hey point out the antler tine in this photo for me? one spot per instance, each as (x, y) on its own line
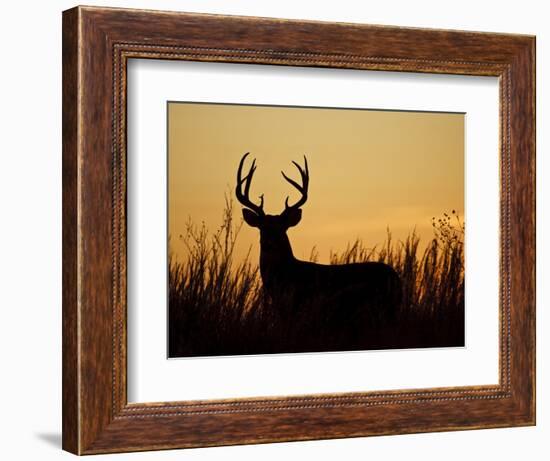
(248, 178)
(244, 198)
(303, 189)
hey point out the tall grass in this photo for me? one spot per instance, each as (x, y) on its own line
(217, 307)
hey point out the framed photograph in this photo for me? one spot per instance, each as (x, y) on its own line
(282, 230)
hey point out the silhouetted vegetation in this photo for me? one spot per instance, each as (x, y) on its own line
(217, 307)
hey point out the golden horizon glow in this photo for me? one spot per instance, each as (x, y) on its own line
(370, 171)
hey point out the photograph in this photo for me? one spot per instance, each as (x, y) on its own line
(300, 229)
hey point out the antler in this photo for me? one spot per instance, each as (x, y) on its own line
(304, 173)
(244, 198)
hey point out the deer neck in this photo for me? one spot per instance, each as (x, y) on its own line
(274, 261)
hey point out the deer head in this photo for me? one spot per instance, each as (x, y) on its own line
(272, 227)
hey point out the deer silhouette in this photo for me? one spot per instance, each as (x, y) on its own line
(351, 295)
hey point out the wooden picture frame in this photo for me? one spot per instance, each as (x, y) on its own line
(97, 43)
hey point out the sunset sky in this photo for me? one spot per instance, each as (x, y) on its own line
(369, 170)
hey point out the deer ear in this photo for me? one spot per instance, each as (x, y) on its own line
(293, 216)
(251, 218)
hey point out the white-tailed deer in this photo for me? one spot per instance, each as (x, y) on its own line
(353, 294)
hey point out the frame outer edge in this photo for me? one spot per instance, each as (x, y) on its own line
(70, 177)
(522, 208)
(533, 55)
(94, 238)
(533, 179)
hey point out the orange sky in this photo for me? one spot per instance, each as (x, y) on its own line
(369, 170)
